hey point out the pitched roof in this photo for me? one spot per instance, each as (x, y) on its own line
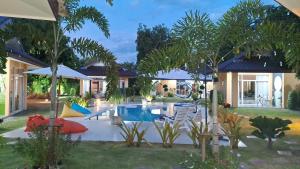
(16, 51)
(101, 71)
(265, 63)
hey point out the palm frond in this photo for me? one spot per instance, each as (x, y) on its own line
(77, 18)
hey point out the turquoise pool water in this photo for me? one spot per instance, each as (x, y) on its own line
(137, 113)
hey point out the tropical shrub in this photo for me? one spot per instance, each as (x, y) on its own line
(293, 100)
(170, 94)
(199, 134)
(36, 148)
(165, 88)
(195, 96)
(168, 134)
(130, 92)
(38, 84)
(231, 126)
(78, 100)
(73, 91)
(88, 95)
(227, 161)
(116, 97)
(130, 133)
(269, 128)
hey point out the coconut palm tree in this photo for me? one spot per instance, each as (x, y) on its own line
(196, 37)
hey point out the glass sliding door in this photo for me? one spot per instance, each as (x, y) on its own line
(249, 92)
(253, 89)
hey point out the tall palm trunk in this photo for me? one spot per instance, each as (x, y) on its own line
(54, 100)
(215, 146)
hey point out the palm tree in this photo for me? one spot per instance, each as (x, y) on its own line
(196, 37)
(74, 21)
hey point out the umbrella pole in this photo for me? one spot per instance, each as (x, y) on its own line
(58, 94)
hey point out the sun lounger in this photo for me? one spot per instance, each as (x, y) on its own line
(97, 114)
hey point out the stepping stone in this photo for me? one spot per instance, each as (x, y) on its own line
(281, 160)
(243, 166)
(296, 153)
(251, 137)
(257, 162)
(284, 153)
(291, 142)
(295, 148)
(11, 143)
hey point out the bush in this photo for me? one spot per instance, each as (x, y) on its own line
(231, 125)
(269, 128)
(73, 91)
(195, 96)
(36, 148)
(116, 97)
(170, 94)
(78, 100)
(293, 100)
(220, 97)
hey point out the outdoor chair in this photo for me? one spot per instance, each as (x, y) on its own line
(180, 117)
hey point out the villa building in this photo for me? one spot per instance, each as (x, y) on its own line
(97, 71)
(178, 82)
(256, 82)
(13, 84)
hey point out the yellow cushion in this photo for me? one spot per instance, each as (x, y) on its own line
(68, 112)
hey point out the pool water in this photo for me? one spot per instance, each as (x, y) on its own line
(137, 113)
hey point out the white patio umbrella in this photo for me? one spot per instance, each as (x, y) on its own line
(292, 5)
(32, 9)
(62, 72)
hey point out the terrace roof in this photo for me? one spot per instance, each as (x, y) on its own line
(102, 71)
(264, 64)
(292, 5)
(33, 9)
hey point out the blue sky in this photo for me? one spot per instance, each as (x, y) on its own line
(126, 15)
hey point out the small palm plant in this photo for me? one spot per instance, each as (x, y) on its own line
(163, 134)
(173, 133)
(269, 128)
(140, 135)
(199, 134)
(128, 133)
(168, 134)
(231, 126)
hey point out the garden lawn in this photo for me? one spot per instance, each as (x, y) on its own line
(110, 156)
(257, 156)
(19, 120)
(248, 113)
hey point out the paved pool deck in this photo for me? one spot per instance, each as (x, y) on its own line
(103, 130)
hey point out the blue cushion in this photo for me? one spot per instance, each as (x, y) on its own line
(80, 109)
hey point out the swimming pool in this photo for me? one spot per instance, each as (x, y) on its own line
(138, 113)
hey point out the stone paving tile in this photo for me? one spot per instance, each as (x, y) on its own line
(284, 153)
(291, 142)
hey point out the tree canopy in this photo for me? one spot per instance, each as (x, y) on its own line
(149, 39)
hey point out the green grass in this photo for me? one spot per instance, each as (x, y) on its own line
(257, 156)
(2, 108)
(269, 112)
(19, 120)
(110, 156)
